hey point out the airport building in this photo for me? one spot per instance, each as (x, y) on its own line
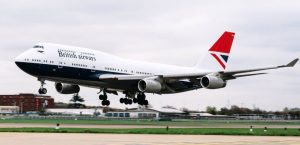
(141, 113)
(27, 102)
(9, 110)
(134, 113)
(72, 111)
(166, 112)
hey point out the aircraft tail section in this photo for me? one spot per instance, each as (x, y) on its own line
(218, 53)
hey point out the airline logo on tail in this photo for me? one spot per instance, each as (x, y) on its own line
(221, 49)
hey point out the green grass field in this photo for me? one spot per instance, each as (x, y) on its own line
(195, 127)
(182, 131)
(155, 123)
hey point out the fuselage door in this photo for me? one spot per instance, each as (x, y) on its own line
(60, 64)
(93, 69)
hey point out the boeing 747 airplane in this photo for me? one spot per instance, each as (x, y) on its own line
(70, 67)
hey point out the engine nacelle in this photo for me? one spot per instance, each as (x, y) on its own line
(67, 88)
(149, 85)
(212, 82)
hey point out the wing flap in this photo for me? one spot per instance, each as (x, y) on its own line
(122, 77)
(186, 76)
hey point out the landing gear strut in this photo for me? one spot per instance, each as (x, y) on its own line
(103, 97)
(42, 90)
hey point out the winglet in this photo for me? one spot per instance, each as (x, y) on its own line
(292, 63)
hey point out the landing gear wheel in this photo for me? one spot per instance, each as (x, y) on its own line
(42, 91)
(129, 101)
(130, 97)
(126, 101)
(145, 102)
(140, 102)
(141, 96)
(102, 97)
(141, 99)
(122, 100)
(105, 103)
(135, 100)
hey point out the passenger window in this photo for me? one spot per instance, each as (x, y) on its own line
(38, 46)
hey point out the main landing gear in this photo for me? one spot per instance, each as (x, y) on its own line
(103, 97)
(126, 101)
(42, 90)
(141, 99)
(130, 98)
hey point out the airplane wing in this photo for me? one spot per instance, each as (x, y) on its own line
(225, 75)
(231, 73)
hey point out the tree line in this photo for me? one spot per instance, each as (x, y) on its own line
(292, 113)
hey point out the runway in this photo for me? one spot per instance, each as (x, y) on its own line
(133, 139)
(47, 125)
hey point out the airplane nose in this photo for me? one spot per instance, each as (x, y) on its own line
(21, 62)
(18, 58)
(18, 61)
(21, 57)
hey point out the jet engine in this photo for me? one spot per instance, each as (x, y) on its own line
(150, 85)
(66, 88)
(212, 82)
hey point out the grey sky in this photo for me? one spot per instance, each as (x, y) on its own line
(171, 32)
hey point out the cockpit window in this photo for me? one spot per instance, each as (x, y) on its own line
(38, 46)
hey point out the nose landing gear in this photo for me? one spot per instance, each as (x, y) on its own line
(42, 90)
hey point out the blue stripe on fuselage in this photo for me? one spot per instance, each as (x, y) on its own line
(47, 70)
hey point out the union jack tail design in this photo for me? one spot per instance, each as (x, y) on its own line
(221, 49)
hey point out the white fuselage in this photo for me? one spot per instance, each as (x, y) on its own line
(61, 57)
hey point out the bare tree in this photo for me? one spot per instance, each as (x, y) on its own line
(77, 101)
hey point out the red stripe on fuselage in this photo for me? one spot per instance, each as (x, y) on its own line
(219, 60)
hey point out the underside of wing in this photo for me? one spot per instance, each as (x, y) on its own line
(169, 85)
(227, 75)
(183, 82)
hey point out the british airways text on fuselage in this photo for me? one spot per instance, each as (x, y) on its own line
(72, 54)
